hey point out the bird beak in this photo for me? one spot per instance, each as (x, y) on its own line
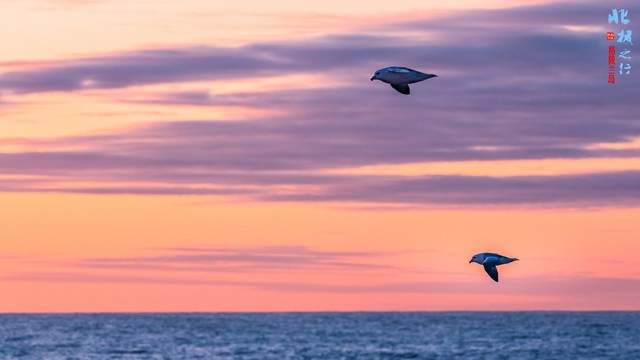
(373, 77)
(431, 76)
(470, 261)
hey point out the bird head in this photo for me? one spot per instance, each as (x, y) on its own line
(476, 259)
(375, 75)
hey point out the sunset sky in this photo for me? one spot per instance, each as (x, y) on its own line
(203, 155)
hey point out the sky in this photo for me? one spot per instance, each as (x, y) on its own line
(234, 156)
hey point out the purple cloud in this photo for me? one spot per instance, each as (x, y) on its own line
(620, 188)
(225, 260)
(593, 288)
(506, 92)
(499, 42)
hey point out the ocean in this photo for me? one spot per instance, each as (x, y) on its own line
(326, 336)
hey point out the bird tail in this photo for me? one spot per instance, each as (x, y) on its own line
(514, 259)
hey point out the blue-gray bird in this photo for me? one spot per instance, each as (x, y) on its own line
(400, 77)
(490, 261)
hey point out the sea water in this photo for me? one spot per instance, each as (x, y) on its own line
(326, 336)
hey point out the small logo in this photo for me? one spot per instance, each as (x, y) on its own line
(612, 55)
(619, 16)
(623, 37)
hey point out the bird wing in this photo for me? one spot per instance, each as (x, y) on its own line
(492, 270)
(399, 70)
(403, 89)
(491, 259)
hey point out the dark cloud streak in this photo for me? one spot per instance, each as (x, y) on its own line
(539, 286)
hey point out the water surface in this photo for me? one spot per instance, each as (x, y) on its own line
(327, 336)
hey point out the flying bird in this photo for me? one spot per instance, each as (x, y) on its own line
(400, 77)
(490, 261)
